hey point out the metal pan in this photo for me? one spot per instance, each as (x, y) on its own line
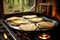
(47, 18)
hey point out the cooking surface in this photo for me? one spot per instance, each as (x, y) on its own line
(44, 18)
(55, 33)
(23, 35)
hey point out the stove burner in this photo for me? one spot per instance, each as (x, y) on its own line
(44, 36)
(4, 35)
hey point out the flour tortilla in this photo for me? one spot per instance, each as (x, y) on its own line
(29, 16)
(13, 18)
(28, 27)
(36, 19)
(18, 22)
(45, 24)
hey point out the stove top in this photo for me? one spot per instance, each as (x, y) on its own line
(6, 33)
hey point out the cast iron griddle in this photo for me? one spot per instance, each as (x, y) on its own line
(45, 17)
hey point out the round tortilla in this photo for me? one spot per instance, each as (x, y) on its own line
(13, 18)
(45, 24)
(29, 16)
(28, 27)
(36, 19)
(18, 22)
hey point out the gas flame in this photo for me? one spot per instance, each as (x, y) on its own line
(44, 36)
(5, 36)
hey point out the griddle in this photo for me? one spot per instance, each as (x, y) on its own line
(46, 17)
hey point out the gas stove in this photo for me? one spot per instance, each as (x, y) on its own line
(13, 34)
(4, 34)
(17, 35)
(7, 33)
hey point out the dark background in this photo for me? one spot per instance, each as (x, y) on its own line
(58, 5)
